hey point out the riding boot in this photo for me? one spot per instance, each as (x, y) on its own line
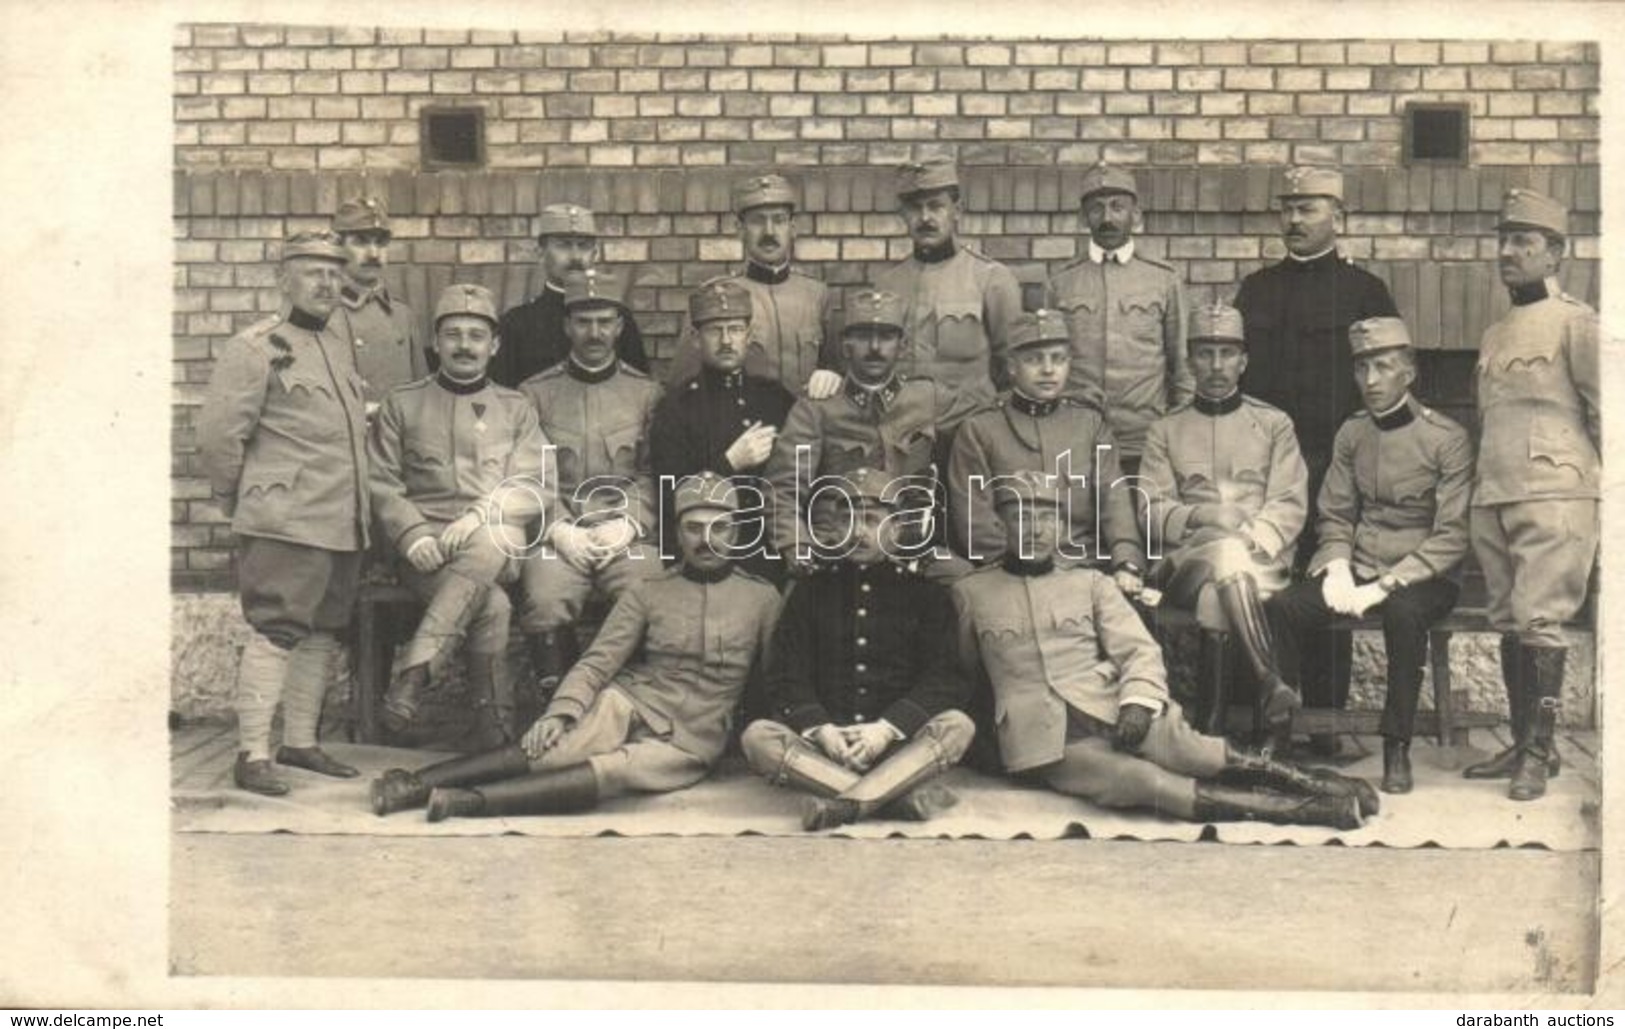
(1543, 697)
(399, 789)
(897, 774)
(1514, 675)
(1396, 765)
(551, 655)
(817, 774)
(492, 689)
(1216, 803)
(1257, 770)
(557, 791)
(1211, 682)
(1238, 597)
(401, 699)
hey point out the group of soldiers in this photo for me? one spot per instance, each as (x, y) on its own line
(922, 524)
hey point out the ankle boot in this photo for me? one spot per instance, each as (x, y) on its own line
(1543, 692)
(1216, 803)
(401, 699)
(561, 791)
(315, 759)
(399, 789)
(1238, 597)
(492, 689)
(257, 777)
(1211, 681)
(1258, 770)
(1396, 765)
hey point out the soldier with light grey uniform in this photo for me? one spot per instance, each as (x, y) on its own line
(1538, 482)
(383, 332)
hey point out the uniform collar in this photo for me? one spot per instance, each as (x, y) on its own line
(714, 379)
(356, 297)
(549, 286)
(1214, 408)
(936, 255)
(1398, 417)
(588, 375)
(1324, 258)
(707, 578)
(1532, 293)
(462, 389)
(1013, 564)
(762, 273)
(882, 395)
(1100, 255)
(302, 319)
(1037, 408)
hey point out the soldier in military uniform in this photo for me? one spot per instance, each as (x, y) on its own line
(283, 432)
(381, 329)
(596, 410)
(1228, 494)
(458, 466)
(957, 304)
(533, 334)
(1083, 699)
(723, 419)
(646, 709)
(1535, 494)
(881, 419)
(790, 341)
(1127, 317)
(864, 695)
(1297, 313)
(1392, 529)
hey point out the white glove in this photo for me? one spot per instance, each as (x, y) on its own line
(1338, 586)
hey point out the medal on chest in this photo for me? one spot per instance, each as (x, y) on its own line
(479, 418)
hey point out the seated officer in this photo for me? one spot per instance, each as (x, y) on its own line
(864, 693)
(439, 453)
(596, 410)
(880, 419)
(1392, 529)
(1227, 491)
(645, 709)
(723, 419)
(1084, 699)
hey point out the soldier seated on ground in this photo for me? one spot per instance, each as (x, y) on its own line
(1083, 697)
(440, 453)
(646, 709)
(864, 693)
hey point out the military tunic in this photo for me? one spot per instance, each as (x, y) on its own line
(1053, 437)
(790, 336)
(1128, 341)
(534, 340)
(384, 339)
(957, 317)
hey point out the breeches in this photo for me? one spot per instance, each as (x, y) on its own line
(555, 590)
(625, 753)
(289, 590)
(1187, 576)
(463, 598)
(1161, 775)
(1537, 558)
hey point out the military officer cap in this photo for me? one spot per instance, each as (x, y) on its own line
(565, 220)
(466, 299)
(873, 307)
(1217, 323)
(1307, 181)
(1036, 328)
(595, 286)
(1103, 178)
(1026, 487)
(363, 214)
(718, 299)
(1526, 209)
(321, 244)
(761, 191)
(707, 489)
(927, 176)
(1377, 334)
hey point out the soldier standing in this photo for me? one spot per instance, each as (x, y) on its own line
(283, 431)
(382, 330)
(1535, 495)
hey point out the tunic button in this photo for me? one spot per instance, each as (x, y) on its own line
(863, 612)
(862, 641)
(862, 667)
(857, 718)
(740, 401)
(864, 587)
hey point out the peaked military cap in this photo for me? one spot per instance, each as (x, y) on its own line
(565, 220)
(466, 299)
(761, 190)
(594, 286)
(1307, 181)
(1526, 208)
(873, 307)
(321, 244)
(717, 299)
(927, 175)
(1376, 334)
(362, 214)
(1035, 328)
(1104, 178)
(707, 489)
(1217, 322)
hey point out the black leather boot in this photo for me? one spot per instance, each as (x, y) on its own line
(399, 789)
(551, 655)
(401, 699)
(560, 791)
(492, 689)
(1543, 695)
(1250, 629)
(1211, 682)
(1216, 803)
(1514, 675)
(1396, 765)
(1257, 770)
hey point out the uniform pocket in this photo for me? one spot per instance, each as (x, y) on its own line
(1559, 451)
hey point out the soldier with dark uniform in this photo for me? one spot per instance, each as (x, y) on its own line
(1535, 495)
(646, 709)
(596, 410)
(723, 419)
(1392, 529)
(382, 330)
(1228, 496)
(283, 432)
(1083, 698)
(864, 694)
(957, 304)
(1127, 317)
(533, 334)
(880, 419)
(458, 467)
(790, 341)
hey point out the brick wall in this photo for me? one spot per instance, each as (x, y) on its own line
(274, 125)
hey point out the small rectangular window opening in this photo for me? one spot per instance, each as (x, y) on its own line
(453, 137)
(1436, 133)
